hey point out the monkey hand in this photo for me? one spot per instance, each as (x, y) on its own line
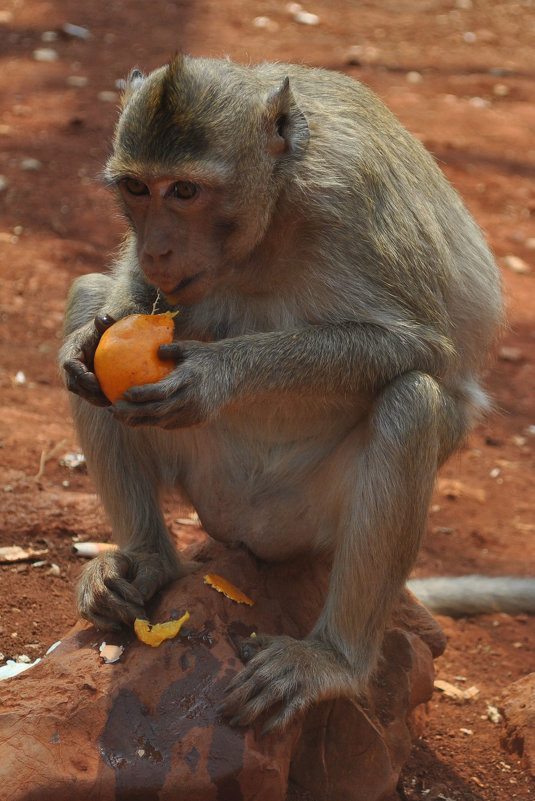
(190, 395)
(115, 585)
(291, 674)
(76, 358)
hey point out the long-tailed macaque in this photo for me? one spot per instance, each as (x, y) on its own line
(337, 303)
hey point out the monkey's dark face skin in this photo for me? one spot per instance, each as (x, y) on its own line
(180, 239)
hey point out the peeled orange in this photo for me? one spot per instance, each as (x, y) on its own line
(127, 354)
(155, 633)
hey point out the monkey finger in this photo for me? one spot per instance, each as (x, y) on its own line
(145, 393)
(262, 698)
(81, 382)
(103, 322)
(278, 722)
(148, 580)
(172, 351)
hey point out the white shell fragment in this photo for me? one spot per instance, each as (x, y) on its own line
(111, 653)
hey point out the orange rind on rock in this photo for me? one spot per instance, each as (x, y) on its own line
(222, 585)
(155, 634)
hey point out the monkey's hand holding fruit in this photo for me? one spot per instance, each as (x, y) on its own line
(191, 394)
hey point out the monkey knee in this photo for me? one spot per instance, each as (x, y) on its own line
(416, 408)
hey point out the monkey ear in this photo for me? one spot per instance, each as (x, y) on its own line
(129, 86)
(288, 131)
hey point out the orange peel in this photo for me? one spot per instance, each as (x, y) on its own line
(222, 585)
(155, 634)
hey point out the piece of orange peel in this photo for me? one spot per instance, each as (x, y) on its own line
(155, 634)
(222, 585)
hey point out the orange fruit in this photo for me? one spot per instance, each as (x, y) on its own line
(127, 354)
(155, 633)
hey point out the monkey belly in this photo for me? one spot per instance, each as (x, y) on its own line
(273, 492)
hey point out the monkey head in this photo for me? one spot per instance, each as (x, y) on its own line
(202, 152)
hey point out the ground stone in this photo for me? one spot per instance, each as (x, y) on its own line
(146, 727)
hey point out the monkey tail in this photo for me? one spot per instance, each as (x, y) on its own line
(472, 595)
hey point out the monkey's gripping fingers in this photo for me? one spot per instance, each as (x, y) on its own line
(115, 585)
(191, 394)
(291, 674)
(77, 356)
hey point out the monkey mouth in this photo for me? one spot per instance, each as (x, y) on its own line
(172, 296)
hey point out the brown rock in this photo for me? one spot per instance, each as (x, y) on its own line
(73, 727)
(519, 717)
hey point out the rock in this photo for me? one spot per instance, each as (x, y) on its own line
(516, 264)
(46, 54)
(146, 727)
(518, 708)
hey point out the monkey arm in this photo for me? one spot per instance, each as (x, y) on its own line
(346, 359)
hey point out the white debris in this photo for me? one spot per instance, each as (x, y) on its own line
(73, 461)
(77, 81)
(305, 18)
(46, 54)
(111, 653)
(108, 97)
(30, 165)
(76, 31)
(516, 264)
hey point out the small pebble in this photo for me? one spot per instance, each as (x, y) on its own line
(469, 37)
(4, 183)
(266, 23)
(49, 36)
(414, 77)
(30, 165)
(501, 90)
(77, 81)
(108, 97)
(45, 54)
(76, 31)
(516, 264)
(54, 570)
(478, 102)
(23, 659)
(305, 18)
(493, 714)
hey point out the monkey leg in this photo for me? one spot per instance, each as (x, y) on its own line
(377, 487)
(126, 466)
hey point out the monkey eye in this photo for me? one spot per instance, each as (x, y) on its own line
(135, 187)
(184, 190)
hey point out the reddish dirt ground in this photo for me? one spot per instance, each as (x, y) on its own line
(460, 75)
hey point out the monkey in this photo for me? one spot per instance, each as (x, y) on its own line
(337, 305)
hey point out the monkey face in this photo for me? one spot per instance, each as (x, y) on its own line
(181, 233)
(197, 160)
